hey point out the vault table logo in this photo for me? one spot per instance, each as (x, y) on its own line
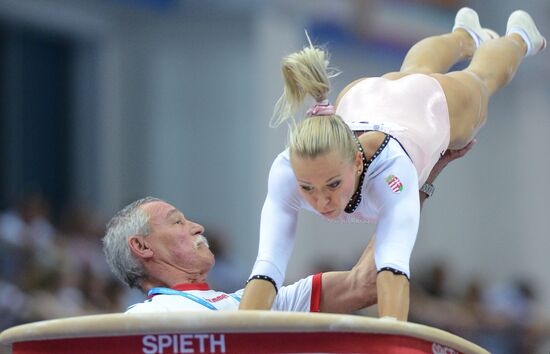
(183, 343)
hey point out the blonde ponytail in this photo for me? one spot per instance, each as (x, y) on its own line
(304, 73)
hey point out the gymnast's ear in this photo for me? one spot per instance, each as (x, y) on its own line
(140, 247)
(358, 161)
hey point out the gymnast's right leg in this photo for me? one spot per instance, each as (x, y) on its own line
(493, 65)
(438, 54)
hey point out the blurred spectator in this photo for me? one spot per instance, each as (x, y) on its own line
(509, 303)
(80, 234)
(508, 316)
(432, 303)
(25, 231)
(499, 317)
(435, 282)
(14, 305)
(51, 273)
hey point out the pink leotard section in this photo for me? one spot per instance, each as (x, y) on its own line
(412, 109)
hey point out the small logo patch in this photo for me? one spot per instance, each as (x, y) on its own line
(441, 349)
(395, 183)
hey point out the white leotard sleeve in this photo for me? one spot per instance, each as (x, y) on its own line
(278, 221)
(398, 212)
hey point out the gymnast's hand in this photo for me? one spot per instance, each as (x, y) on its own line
(448, 156)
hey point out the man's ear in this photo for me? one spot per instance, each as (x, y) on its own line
(139, 247)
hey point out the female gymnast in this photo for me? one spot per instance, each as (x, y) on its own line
(364, 159)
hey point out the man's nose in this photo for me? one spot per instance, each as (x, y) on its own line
(197, 229)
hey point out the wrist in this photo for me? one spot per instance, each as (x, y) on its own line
(265, 278)
(428, 189)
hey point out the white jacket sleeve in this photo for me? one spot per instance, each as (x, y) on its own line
(302, 296)
(278, 222)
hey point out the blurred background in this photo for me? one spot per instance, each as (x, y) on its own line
(106, 101)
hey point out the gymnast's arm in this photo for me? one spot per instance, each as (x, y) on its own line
(392, 251)
(349, 291)
(277, 231)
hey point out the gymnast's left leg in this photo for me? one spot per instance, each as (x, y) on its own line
(493, 65)
(437, 54)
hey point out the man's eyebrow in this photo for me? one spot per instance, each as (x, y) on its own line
(171, 212)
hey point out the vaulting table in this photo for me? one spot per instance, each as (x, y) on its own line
(230, 332)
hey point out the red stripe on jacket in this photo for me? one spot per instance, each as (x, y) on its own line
(316, 285)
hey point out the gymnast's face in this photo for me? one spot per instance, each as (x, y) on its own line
(176, 241)
(327, 182)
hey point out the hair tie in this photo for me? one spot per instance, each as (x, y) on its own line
(323, 108)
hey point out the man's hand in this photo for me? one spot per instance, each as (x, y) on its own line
(447, 157)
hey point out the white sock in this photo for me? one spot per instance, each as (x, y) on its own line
(523, 35)
(474, 36)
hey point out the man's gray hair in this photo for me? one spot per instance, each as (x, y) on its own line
(129, 221)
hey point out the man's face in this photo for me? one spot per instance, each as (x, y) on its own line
(327, 182)
(176, 241)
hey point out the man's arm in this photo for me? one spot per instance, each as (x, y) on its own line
(447, 157)
(349, 291)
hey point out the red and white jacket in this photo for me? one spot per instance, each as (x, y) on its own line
(302, 296)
